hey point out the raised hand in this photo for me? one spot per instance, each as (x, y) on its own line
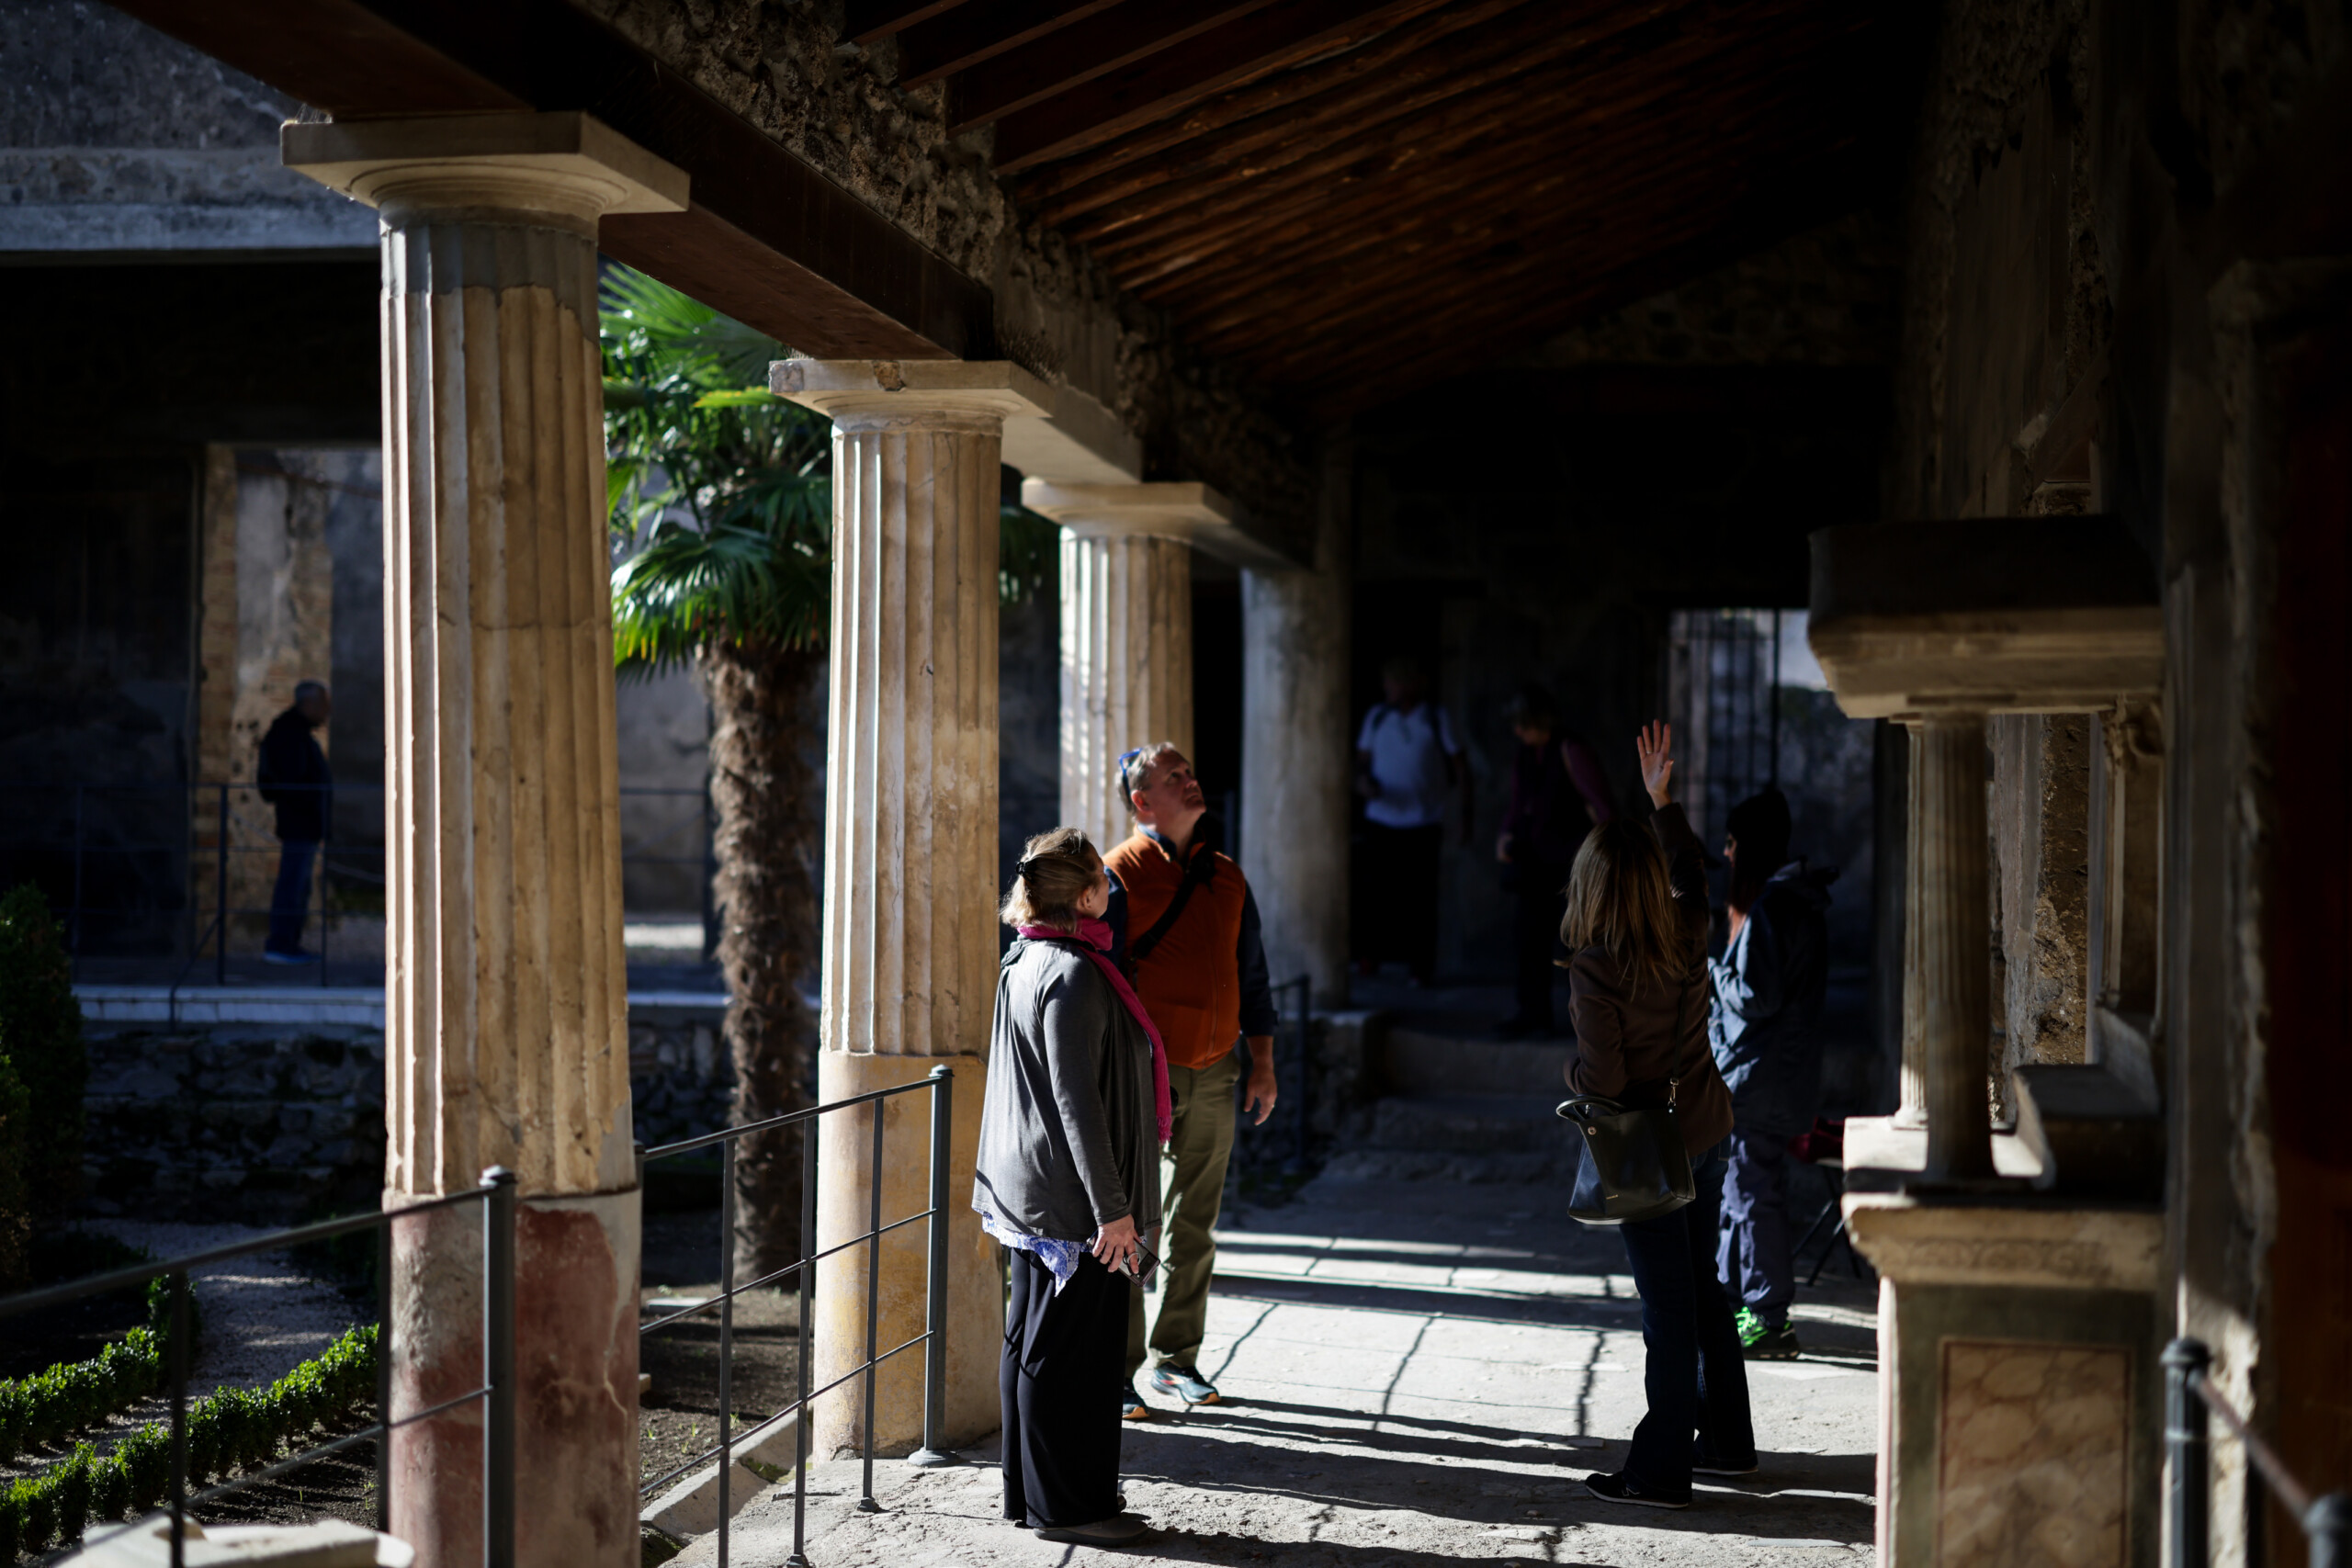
(1654, 743)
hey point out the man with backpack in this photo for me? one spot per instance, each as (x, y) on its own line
(1184, 926)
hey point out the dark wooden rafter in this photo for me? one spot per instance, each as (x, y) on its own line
(1271, 39)
(980, 30)
(870, 21)
(1117, 39)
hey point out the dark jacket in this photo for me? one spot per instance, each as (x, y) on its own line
(1629, 1042)
(1765, 1025)
(1070, 1132)
(294, 778)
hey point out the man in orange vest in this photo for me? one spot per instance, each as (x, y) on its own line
(1185, 925)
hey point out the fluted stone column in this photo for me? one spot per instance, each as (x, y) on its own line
(910, 960)
(1126, 587)
(1955, 948)
(1912, 1110)
(505, 998)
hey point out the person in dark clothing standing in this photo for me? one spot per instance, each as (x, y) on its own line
(294, 778)
(1764, 1026)
(1558, 793)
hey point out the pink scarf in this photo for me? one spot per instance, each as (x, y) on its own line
(1096, 936)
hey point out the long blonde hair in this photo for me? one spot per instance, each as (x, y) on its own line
(1058, 867)
(1621, 901)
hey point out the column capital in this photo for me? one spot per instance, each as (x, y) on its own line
(870, 394)
(1098, 510)
(567, 165)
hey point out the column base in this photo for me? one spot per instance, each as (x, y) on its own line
(575, 1353)
(975, 1286)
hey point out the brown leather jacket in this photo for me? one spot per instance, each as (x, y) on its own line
(1630, 1043)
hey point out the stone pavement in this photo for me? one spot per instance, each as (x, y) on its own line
(1413, 1372)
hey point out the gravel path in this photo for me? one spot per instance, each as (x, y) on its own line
(261, 1315)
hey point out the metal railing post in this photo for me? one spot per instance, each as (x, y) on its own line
(799, 1558)
(177, 1353)
(498, 1356)
(2187, 1483)
(221, 909)
(934, 1451)
(865, 1503)
(726, 1342)
(74, 928)
(384, 1375)
(2328, 1527)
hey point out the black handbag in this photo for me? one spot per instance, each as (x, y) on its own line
(1633, 1166)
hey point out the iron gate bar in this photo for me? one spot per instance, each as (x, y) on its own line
(2189, 1394)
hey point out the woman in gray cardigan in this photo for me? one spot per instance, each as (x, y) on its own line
(1068, 1181)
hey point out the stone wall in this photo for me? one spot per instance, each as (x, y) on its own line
(272, 1124)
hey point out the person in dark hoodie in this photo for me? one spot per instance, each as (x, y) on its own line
(1764, 1026)
(294, 778)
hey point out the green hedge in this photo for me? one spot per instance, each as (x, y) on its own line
(231, 1430)
(40, 1032)
(47, 1405)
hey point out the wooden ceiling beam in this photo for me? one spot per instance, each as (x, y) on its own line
(1280, 35)
(1301, 211)
(1234, 122)
(1436, 77)
(870, 21)
(983, 29)
(1118, 39)
(1187, 211)
(1304, 250)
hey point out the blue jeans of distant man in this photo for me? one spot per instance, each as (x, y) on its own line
(289, 902)
(1693, 1376)
(1752, 1248)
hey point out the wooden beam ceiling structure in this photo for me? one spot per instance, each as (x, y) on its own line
(1346, 196)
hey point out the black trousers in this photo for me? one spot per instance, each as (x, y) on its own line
(1540, 890)
(1693, 1375)
(1060, 1383)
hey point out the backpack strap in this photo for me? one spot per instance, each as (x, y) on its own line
(1197, 873)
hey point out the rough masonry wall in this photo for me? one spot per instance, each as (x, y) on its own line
(779, 66)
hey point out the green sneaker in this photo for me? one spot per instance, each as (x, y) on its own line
(1759, 1341)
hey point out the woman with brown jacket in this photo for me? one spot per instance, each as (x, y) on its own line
(1638, 998)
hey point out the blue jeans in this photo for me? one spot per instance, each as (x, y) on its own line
(290, 903)
(1695, 1379)
(1752, 1249)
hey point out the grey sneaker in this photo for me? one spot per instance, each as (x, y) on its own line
(1184, 1383)
(1132, 1407)
(1117, 1530)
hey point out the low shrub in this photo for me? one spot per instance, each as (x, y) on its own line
(51, 1404)
(230, 1430)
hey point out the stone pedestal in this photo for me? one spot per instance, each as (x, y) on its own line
(909, 961)
(2018, 1373)
(505, 996)
(1126, 587)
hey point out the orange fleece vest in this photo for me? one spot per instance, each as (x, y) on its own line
(1192, 982)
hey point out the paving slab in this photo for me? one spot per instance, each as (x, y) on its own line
(1413, 1372)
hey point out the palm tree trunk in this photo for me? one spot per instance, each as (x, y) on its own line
(763, 704)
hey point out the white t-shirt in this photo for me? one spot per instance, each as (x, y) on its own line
(1409, 752)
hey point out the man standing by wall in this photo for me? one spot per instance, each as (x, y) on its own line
(1765, 1028)
(295, 778)
(1185, 925)
(1408, 766)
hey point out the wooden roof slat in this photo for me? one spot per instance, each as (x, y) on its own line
(1440, 74)
(1280, 35)
(1185, 211)
(1302, 207)
(1122, 36)
(869, 21)
(983, 29)
(1241, 111)
(1301, 245)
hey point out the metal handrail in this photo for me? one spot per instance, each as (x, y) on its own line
(941, 1084)
(496, 1194)
(2189, 1394)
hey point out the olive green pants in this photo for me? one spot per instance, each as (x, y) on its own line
(1194, 1166)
